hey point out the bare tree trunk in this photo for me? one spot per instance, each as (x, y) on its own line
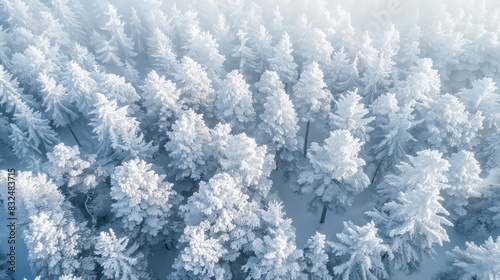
(74, 136)
(323, 214)
(375, 174)
(305, 139)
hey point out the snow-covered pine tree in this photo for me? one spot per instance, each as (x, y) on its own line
(200, 258)
(80, 86)
(422, 84)
(393, 129)
(104, 50)
(261, 42)
(118, 259)
(233, 101)
(311, 97)
(196, 88)
(316, 258)
(203, 48)
(69, 15)
(247, 58)
(350, 115)
(53, 244)
(334, 172)
(144, 202)
(11, 95)
(188, 146)
(114, 87)
(282, 61)
(342, 74)
(275, 253)
(160, 96)
(380, 73)
(463, 180)
(117, 133)
(66, 166)
(56, 101)
(118, 39)
(136, 31)
(314, 47)
(28, 65)
(475, 262)
(413, 217)
(222, 211)
(482, 96)
(278, 127)
(241, 157)
(428, 169)
(361, 253)
(449, 126)
(161, 53)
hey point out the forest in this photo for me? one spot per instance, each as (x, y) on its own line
(235, 139)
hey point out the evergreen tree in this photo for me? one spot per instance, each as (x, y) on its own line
(241, 157)
(201, 256)
(334, 172)
(53, 244)
(68, 14)
(428, 170)
(476, 262)
(380, 73)
(276, 255)
(350, 115)
(143, 201)
(195, 86)
(482, 97)
(105, 51)
(188, 146)
(118, 260)
(314, 47)
(160, 97)
(282, 61)
(278, 127)
(161, 53)
(66, 166)
(413, 218)
(114, 87)
(316, 258)
(310, 94)
(394, 126)
(118, 39)
(342, 74)
(311, 97)
(56, 101)
(136, 30)
(361, 253)
(223, 212)
(463, 179)
(422, 84)
(449, 126)
(11, 95)
(117, 131)
(233, 101)
(248, 60)
(30, 64)
(80, 86)
(261, 41)
(202, 48)
(36, 129)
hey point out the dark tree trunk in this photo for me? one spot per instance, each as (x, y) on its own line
(323, 214)
(74, 136)
(305, 140)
